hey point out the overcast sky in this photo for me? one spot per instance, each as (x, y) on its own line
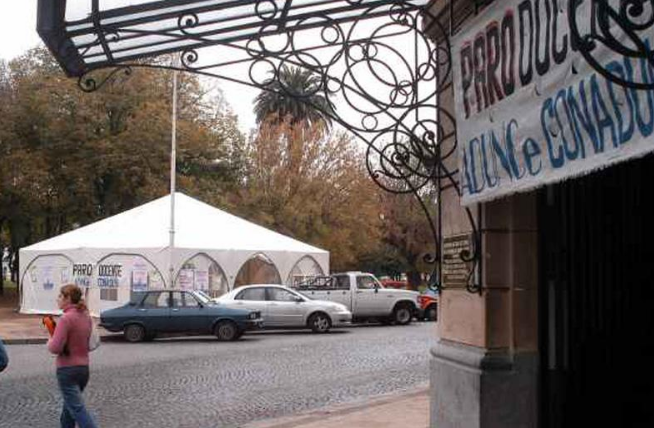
(17, 28)
(18, 34)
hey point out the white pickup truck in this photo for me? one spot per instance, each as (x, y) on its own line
(363, 295)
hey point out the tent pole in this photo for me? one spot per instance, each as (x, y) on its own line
(173, 168)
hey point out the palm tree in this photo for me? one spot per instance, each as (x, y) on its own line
(296, 95)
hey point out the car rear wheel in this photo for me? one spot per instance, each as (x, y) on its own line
(431, 313)
(134, 333)
(226, 331)
(402, 314)
(320, 323)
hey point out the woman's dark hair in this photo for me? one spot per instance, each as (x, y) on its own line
(73, 292)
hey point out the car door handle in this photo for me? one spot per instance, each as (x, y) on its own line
(175, 310)
(359, 292)
(142, 310)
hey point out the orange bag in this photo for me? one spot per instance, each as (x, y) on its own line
(49, 323)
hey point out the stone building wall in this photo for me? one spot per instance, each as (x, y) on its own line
(484, 367)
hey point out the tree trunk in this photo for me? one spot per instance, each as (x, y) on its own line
(13, 266)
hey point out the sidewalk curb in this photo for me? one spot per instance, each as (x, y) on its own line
(25, 341)
(37, 340)
(292, 421)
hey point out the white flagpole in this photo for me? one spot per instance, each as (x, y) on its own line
(173, 168)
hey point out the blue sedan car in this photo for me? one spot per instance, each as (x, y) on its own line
(177, 311)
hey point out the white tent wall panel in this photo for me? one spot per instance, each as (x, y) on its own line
(41, 281)
(231, 261)
(306, 266)
(36, 299)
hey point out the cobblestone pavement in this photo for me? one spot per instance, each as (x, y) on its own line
(199, 382)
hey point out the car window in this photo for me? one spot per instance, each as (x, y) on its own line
(366, 282)
(342, 282)
(280, 295)
(257, 294)
(201, 296)
(190, 301)
(136, 297)
(177, 301)
(156, 300)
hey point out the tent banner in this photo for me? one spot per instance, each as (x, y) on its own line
(110, 275)
(530, 109)
(47, 275)
(202, 279)
(185, 279)
(82, 272)
(139, 275)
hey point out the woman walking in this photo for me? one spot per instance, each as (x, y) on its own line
(70, 342)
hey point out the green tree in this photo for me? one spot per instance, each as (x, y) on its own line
(328, 200)
(296, 95)
(407, 231)
(68, 158)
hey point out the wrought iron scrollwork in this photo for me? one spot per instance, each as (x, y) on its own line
(621, 27)
(384, 74)
(89, 82)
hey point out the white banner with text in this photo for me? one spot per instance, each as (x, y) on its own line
(530, 109)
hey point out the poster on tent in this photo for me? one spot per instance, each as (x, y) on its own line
(82, 273)
(202, 280)
(34, 274)
(530, 110)
(64, 275)
(110, 275)
(185, 279)
(139, 275)
(47, 277)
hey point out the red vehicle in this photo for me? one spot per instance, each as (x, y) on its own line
(428, 306)
(391, 283)
(428, 309)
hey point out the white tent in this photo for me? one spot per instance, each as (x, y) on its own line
(213, 251)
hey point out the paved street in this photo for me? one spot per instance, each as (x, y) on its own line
(199, 382)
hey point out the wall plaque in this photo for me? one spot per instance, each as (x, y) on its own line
(456, 270)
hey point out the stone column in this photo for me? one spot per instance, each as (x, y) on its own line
(484, 366)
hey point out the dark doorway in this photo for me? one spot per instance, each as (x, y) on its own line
(597, 299)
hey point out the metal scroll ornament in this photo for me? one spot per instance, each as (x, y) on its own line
(623, 26)
(382, 78)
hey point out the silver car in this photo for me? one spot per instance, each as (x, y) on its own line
(282, 307)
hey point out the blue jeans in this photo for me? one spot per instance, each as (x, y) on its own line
(72, 381)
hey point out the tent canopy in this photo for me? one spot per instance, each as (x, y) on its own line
(199, 226)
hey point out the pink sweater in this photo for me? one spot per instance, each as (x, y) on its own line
(72, 334)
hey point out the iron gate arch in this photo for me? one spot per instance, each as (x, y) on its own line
(408, 134)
